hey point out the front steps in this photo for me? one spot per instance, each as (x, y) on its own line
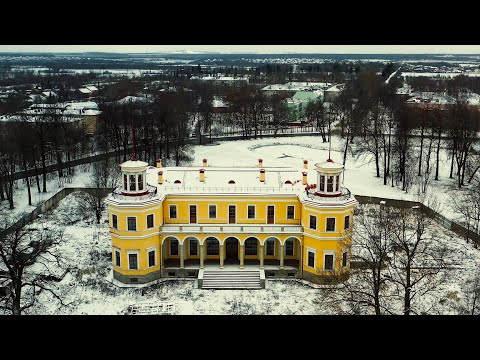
(231, 279)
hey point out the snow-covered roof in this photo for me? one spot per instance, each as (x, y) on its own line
(297, 86)
(91, 88)
(85, 91)
(49, 93)
(133, 164)
(329, 165)
(134, 99)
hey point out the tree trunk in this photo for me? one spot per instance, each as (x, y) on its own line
(44, 166)
(421, 153)
(28, 179)
(453, 157)
(407, 298)
(438, 154)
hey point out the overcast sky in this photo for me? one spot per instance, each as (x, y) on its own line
(265, 49)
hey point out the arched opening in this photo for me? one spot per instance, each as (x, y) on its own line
(231, 251)
(192, 251)
(177, 182)
(231, 182)
(171, 252)
(288, 182)
(271, 251)
(212, 250)
(292, 253)
(251, 251)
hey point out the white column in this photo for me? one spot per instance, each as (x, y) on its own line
(222, 255)
(282, 247)
(182, 260)
(202, 255)
(242, 254)
(261, 255)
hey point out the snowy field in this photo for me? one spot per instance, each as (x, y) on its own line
(87, 290)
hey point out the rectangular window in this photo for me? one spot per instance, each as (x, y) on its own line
(193, 214)
(212, 247)
(132, 182)
(132, 223)
(289, 248)
(173, 247)
(133, 261)
(149, 221)
(330, 224)
(118, 261)
(251, 247)
(151, 258)
(114, 222)
(344, 259)
(313, 222)
(212, 211)
(322, 183)
(125, 184)
(311, 259)
(328, 262)
(270, 247)
(140, 182)
(329, 183)
(173, 211)
(347, 222)
(193, 247)
(290, 212)
(337, 185)
(251, 211)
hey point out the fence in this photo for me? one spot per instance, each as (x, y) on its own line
(49, 204)
(442, 220)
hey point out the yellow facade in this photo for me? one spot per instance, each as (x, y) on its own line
(310, 240)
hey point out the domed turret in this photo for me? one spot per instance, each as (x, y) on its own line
(134, 178)
(329, 178)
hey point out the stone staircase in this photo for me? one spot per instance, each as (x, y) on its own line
(231, 279)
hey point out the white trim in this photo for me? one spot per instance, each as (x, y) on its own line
(116, 228)
(310, 222)
(198, 246)
(254, 212)
(266, 218)
(170, 212)
(228, 213)
(265, 246)
(314, 251)
(136, 224)
(146, 222)
(115, 251)
(216, 217)
(329, 252)
(190, 216)
(287, 218)
(334, 225)
(154, 249)
(136, 252)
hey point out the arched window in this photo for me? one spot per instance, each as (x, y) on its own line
(231, 182)
(251, 246)
(212, 246)
(177, 182)
(288, 182)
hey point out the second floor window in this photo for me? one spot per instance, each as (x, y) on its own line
(150, 221)
(132, 223)
(114, 221)
(313, 222)
(212, 211)
(251, 211)
(173, 211)
(290, 212)
(330, 224)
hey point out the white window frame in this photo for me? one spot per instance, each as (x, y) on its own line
(309, 221)
(154, 249)
(116, 228)
(349, 222)
(345, 252)
(216, 213)
(334, 226)
(293, 212)
(146, 221)
(119, 252)
(266, 214)
(254, 212)
(329, 252)
(136, 223)
(170, 212)
(198, 247)
(314, 251)
(265, 246)
(170, 247)
(134, 252)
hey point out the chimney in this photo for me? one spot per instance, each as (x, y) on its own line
(205, 162)
(202, 175)
(305, 164)
(304, 178)
(160, 177)
(159, 163)
(262, 175)
(260, 162)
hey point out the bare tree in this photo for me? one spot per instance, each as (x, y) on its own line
(31, 267)
(472, 296)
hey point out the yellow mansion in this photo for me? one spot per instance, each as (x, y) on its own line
(196, 221)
